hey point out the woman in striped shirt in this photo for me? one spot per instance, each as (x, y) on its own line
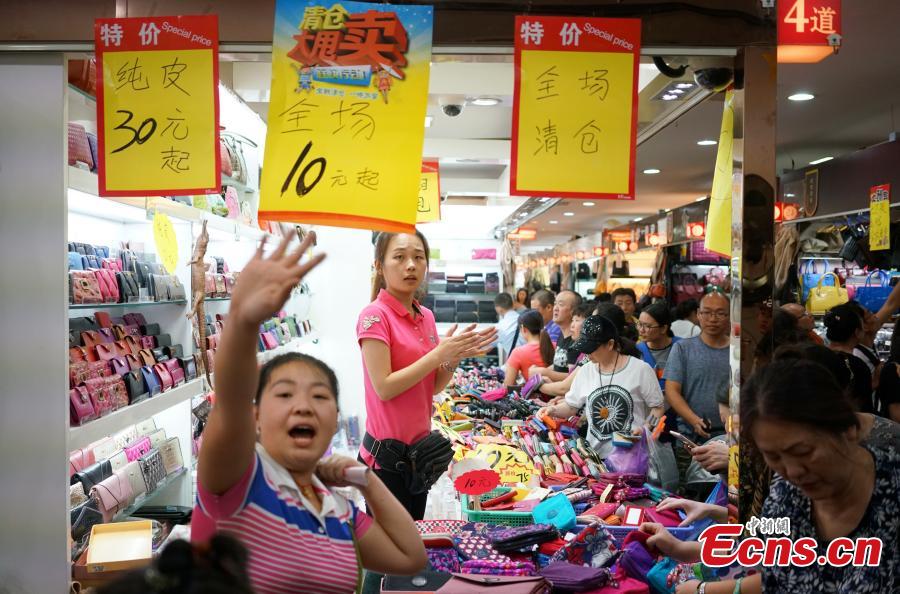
(261, 477)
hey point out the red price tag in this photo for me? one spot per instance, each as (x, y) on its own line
(477, 482)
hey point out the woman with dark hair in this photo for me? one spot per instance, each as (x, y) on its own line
(888, 393)
(844, 331)
(522, 300)
(537, 351)
(654, 328)
(405, 363)
(785, 330)
(260, 475)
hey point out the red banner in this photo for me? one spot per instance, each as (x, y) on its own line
(808, 22)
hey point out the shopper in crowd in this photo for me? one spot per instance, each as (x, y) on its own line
(561, 388)
(603, 298)
(618, 393)
(543, 302)
(697, 373)
(405, 363)
(888, 392)
(654, 328)
(626, 299)
(536, 352)
(219, 567)
(522, 301)
(564, 357)
(865, 350)
(614, 314)
(805, 321)
(261, 476)
(844, 330)
(686, 324)
(508, 336)
(784, 330)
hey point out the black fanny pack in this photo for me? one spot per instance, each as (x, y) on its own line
(421, 464)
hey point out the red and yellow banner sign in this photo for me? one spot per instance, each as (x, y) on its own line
(345, 127)
(429, 207)
(158, 105)
(808, 22)
(575, 108)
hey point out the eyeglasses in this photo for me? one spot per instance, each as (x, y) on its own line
(643, 326)
(719, 315)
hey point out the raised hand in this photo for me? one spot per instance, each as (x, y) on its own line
(266, 282)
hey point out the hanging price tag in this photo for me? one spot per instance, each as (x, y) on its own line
(166, 241)
(880, 217)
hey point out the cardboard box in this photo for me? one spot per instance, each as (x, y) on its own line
(120, 546)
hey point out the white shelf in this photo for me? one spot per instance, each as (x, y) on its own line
(92, 431)
(146, 498)
(88, 201)
(292, 346)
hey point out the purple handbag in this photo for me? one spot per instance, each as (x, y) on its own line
(567, 577)
(444, 560)
(636, 560)
(477, 547)
(508, 540)
(514, 568)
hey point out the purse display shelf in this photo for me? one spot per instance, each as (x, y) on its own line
(291, 346)
(84, 435)
(146, 498)
(87, 183)
(130, 304)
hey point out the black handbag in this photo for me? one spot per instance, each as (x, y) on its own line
(136, 386)
(622, 269)
(128, 287)
(175, 351)
(150, 330)
(159, 354)
(93, 474)
(83, 518)
(189, 366)
(163, 340)
(82, 324)
(420, 464)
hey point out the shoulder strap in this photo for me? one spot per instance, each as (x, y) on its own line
(645, 350)
(515, 339)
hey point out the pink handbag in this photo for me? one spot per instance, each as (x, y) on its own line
(113, 494)
(79, 149)
(269, 341)
(80, 459)
(484, 254)
(175, 370)
(231, 203)
(81, 410)
(137, 448)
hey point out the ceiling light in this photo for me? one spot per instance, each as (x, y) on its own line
(568, 214)
(676, 91)
(428, 120)
(669, 97)
(700, 198)
(822, 160)
(707, 142)
(542, 200)
(588, 203)
(684, 85)
(554, 222)
(801, 97)
(636, 220)
(651, 171)
(485, 101)
(789, 195)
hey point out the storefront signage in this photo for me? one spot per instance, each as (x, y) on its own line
(428, 209)
(808, 22)
(575, 107)
(880, 217)
(345, 133)
(158, 105)
(718, 222)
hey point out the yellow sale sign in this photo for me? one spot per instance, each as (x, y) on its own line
(512, 464)
(157, 105)
(718, 223)
(428, 209)
(575, 107)
(349, 92)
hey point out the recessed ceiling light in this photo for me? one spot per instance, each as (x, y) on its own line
(543, 199)
(588, 203)
(677, 91)
(485, 101)
(553, 222)
(651, 171)
(684, 85)
(801, 97)
(428, 120)
(822, 160)
(707, 142)
(669, 97)
(700, 198)
(789, 195)
(568, 214)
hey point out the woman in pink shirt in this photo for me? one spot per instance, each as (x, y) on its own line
(261, 477)
(536, 352)
(405, 362)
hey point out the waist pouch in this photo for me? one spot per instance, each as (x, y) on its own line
(421, 464)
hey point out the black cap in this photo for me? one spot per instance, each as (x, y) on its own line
(596, 331)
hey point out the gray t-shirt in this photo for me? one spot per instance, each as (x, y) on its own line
(703, 373)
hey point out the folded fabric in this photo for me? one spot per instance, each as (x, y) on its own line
(567, 577)
(513, 539)
(443, 560)
(477, 547)
(668, 518)
(594, 546)
(495, 568)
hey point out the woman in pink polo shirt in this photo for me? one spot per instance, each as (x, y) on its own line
(405, 362)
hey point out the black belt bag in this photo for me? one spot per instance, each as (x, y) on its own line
(421, 464)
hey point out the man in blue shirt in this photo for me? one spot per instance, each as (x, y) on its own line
(543, 301)
(507, 326)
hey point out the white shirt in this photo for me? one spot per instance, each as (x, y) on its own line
(619, 401)
(506, 331)
(685, 329)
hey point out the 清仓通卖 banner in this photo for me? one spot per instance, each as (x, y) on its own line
(158, 105)
(345, 127)
(575, 107)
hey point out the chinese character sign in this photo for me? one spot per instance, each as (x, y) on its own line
(880, 217)
(808, 22)
(158, 105)
(345, 133)
(575, 107)
(428, 209)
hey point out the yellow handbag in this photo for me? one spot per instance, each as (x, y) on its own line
(824, 297)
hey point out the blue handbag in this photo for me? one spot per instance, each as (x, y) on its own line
(873, 297)
(809, 278)
(75, 261)
(658, 577)
(153, 384)
(557, 511)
